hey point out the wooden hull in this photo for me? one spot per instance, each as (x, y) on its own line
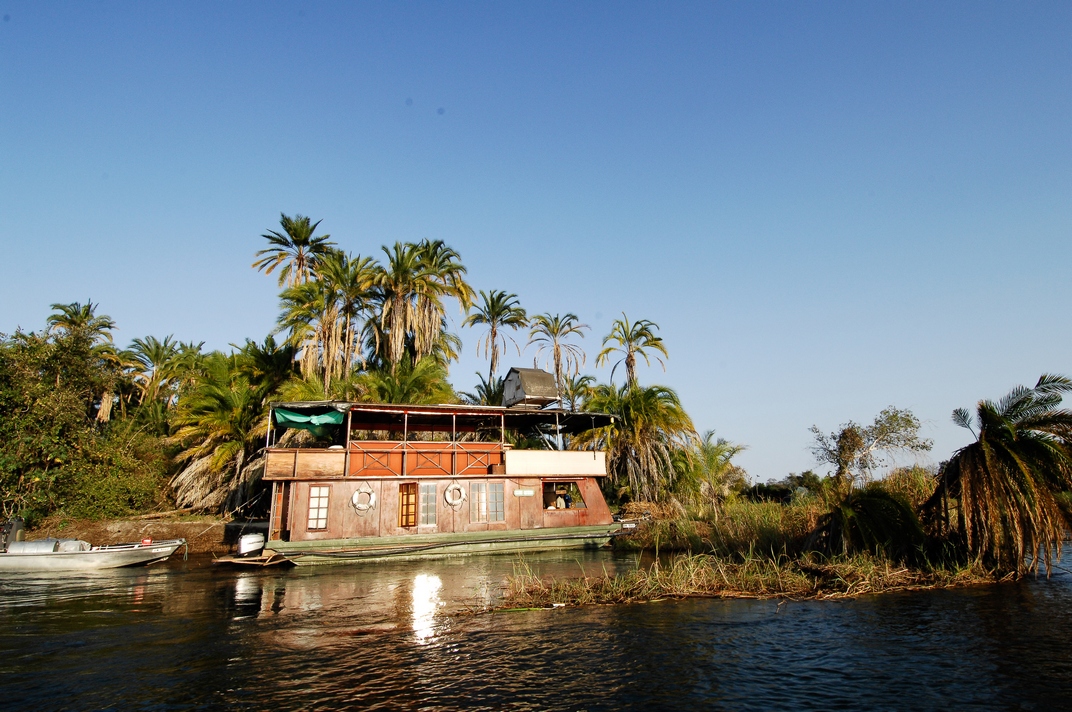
(110, 557)
(425, 546)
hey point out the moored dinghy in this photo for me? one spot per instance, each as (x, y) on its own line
(76, 555)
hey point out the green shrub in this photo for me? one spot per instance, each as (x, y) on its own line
(117, 479)
(870, 520)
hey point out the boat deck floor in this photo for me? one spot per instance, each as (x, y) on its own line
(268, 558)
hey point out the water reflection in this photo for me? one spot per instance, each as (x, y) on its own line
(425, 603)
(401, 635)
(248, 593)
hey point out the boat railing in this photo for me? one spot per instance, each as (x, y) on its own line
(379, 458)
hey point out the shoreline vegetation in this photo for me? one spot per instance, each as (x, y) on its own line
(93, 431)
(758, 577)
(750, 549)
(759, 550)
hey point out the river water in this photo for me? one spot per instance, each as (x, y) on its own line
(409, 635)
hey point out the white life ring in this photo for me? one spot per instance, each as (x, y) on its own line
(454, 495)
(363, 507)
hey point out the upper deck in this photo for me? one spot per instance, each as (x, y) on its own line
(426, 442)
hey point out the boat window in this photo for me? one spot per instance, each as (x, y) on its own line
(496, 502)
(428, 504)
(478, 502)
(562, 495)
(318, 507)
(407, 505)
(487, 502)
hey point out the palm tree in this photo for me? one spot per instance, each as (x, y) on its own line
(269, 365)
(422, 383)
(296, 249)
(77, 319)
(445, 263)
(487, 392)
(312, 388)
(870, 519)
(409, 291)
(631, 339)
(81, 323)
(713, 467)
(155, 361)
(219, 425)
(323, 315)
(189, 366)
(309, 315)
(350, 282)
(577, 390)
(1000, 489)
(410, 301)
(498, 310)
(650, 426)
(550, 334)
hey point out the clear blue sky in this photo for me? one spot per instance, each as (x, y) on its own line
(828, 208)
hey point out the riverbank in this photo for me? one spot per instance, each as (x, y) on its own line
(204, 534)
(708, 576)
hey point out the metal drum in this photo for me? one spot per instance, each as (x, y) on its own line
(41, 546)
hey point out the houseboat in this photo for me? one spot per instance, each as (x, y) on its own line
(385, 480)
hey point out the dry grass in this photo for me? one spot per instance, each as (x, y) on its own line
(739, 528)
(913, 484)
(703, 575)
(652, 510)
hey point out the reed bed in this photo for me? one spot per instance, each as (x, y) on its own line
(709, 576)
(739, 527)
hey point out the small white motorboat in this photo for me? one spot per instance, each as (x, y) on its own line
(74, 554)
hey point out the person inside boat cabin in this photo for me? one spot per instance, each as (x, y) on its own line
(557, 496)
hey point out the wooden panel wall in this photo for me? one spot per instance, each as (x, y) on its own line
(520, 512)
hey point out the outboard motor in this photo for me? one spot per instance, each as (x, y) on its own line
(13, 530)
(250, 544)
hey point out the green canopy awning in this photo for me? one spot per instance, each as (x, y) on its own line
(315, 424)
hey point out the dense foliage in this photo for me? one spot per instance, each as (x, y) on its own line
(95, 430)
(54, 451)
(89, 429)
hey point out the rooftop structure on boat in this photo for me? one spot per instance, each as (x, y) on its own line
(528, 388)
(375, 480)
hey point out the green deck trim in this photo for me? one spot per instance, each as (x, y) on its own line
(419, 539)
(421, 546)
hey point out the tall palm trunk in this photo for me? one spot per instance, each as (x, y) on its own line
(494, 352)
(558, 370)
(104, 414)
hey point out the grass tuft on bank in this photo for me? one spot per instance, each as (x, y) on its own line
(712, 576)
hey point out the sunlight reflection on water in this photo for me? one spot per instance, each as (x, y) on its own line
(425, 604)
(404, 635)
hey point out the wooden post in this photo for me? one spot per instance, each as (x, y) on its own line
(346, 456)
(405, 437)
